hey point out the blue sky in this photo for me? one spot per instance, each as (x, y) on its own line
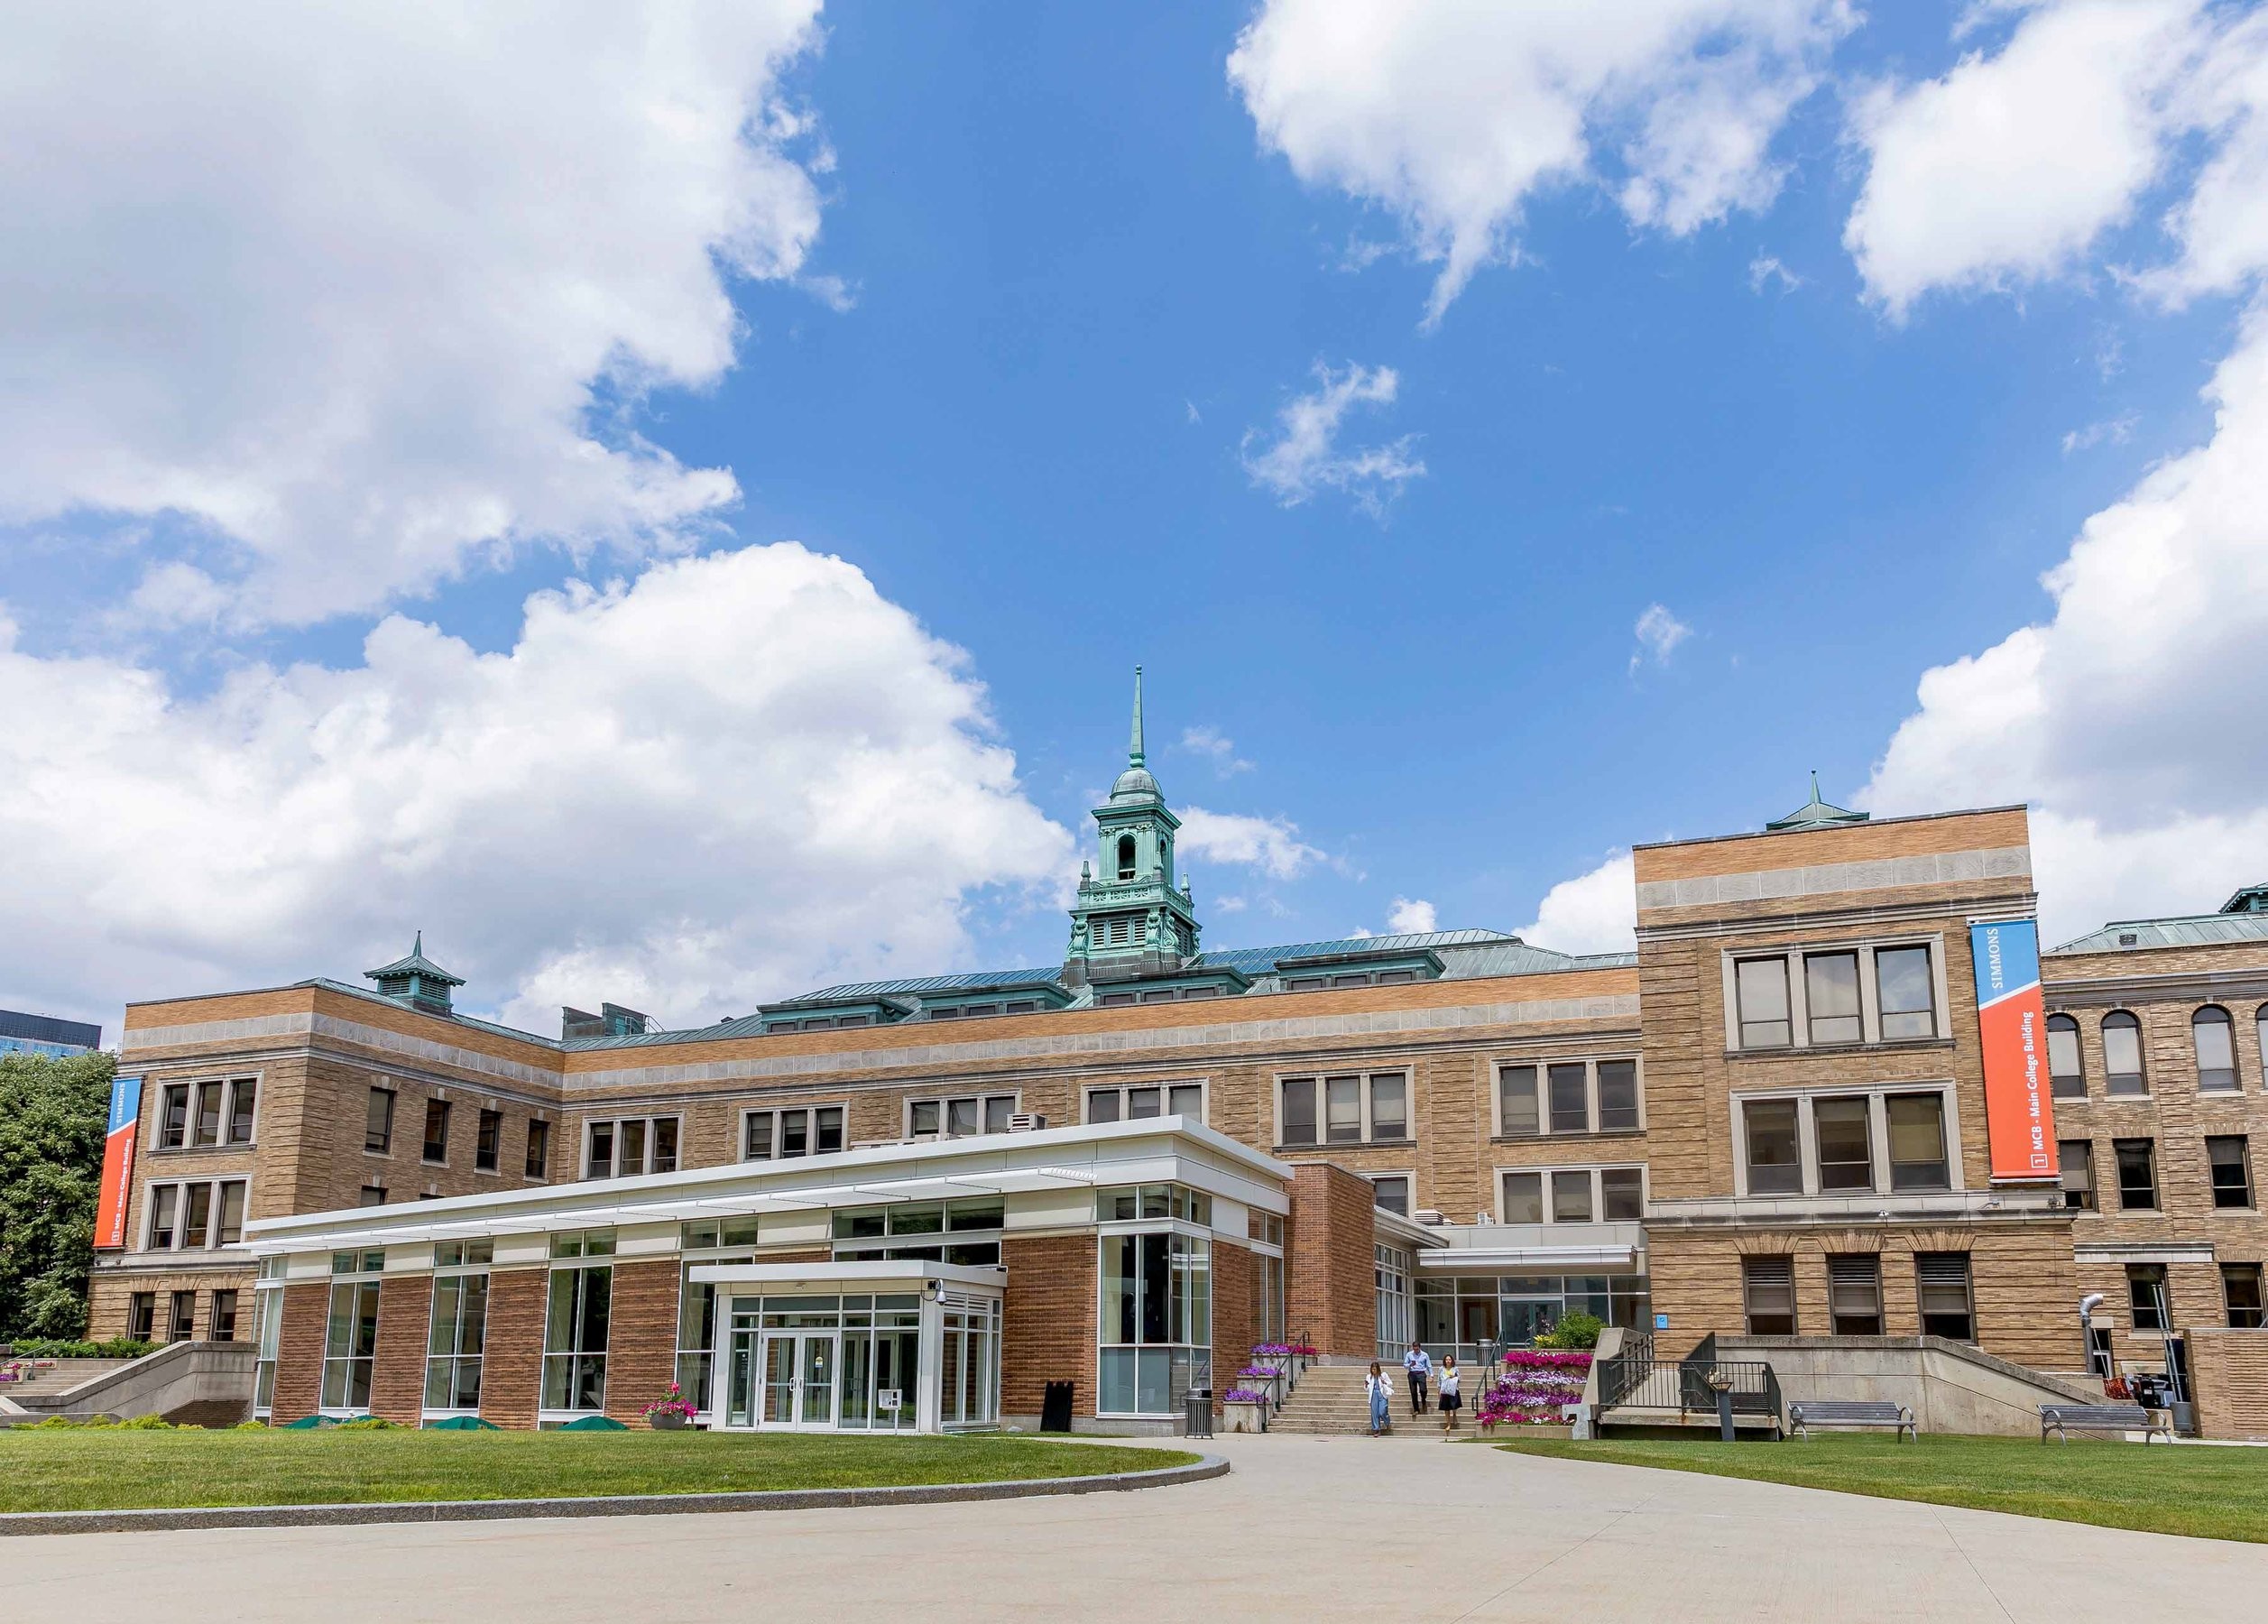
(1024, 299)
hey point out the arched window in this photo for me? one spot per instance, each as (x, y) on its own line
(1125, 856)
(2121, 1055)
(2215, 1037)
(2067, 1075)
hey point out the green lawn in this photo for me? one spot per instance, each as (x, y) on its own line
(2217, 1493)
(109, 1469)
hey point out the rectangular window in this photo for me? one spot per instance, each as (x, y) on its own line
(197, 1216)
(371, 1196)
(2240, 1289)
(538, 1149)
(1571, 1097)
(221, 1325)
(791, 1131)
(1343, 1110)
(1570, 1196)
(457, 1334)
(488, 1141)
(1617, 1096)
(961, 1118)
(267, 1337)
(1155, 1322)
(180, 1323)
(627, 1147)
(574, 1332)
(1831, 994)
(1516, 1101)
(1391, 1191)
(1299, 1111)
(350, 1344)
(2146, 1295)
(1767, 1287)
(1130, 1105)
(2077, 1160)
(378, 1123)
(206, 1130)
(173, 1117)
(1948, 1308)
(2066, 1074)
(228, 1228)
(1843, 1134)
(2227, 1155)
(1906, 992)
(1917, 1143)
(1621, 1194)
(244, 1096)
(2137, 1174)
(1761, 986)
(1390, 1107)
(142, 1313)
(165, 1212)
(436, 1131)
(1854, 1293)
(1775, 1162)
(1524, 1198)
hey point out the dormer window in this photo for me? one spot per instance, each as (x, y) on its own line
(1125, 856)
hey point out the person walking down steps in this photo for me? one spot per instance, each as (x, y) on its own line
(1380, 1387)
(1419, 1365)
(1453, 1398)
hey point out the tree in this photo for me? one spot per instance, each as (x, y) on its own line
(52, 1116)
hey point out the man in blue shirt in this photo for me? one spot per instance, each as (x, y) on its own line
(1420, 1366)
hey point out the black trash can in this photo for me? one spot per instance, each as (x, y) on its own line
(1054, 1408)
(1197, 1422)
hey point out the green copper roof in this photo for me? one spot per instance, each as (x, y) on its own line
(2251, 900)
(2193, 930)
(1815, 813)
(417, 963)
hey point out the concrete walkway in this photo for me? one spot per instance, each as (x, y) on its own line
(1307, 1528)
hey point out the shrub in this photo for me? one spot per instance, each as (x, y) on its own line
(117, 1347)
(1573, 1331)
(102, 1424)
(370, 1423)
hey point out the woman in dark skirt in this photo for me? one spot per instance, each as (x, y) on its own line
(1453, 1398)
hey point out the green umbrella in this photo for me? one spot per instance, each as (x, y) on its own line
(463, 1424)
(595, 1424)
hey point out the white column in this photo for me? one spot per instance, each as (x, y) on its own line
(928, 1366)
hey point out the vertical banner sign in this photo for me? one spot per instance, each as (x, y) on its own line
(118, 1163)
(2011, 1021)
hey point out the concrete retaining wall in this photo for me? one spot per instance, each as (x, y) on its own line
(1951, 1387)
(175, 1376)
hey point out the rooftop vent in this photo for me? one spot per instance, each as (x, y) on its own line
(1025, 1121)
(2128, 938)
(612, 1021)
(416, 980)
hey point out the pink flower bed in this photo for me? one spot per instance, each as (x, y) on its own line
(1534, 1387)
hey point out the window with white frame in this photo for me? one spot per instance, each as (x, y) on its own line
(1349, 1108)
(1393, 1191)
(350, 1334)
(776, 1134)
(1135, 1100)
(215, 1114)
(960, 1116)
(1537, 1099)
(575, 1321)
(196, 1214)
(267, 1334)
(709, 1240)
(1834, 996)
(1887, 1139)
(1571, 1194)
(458, 1330)
(626, 1147)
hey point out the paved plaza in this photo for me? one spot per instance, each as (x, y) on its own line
(1406, 1528)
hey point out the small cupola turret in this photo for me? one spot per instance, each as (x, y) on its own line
(416, 980)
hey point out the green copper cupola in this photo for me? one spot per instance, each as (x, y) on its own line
(1131, 920)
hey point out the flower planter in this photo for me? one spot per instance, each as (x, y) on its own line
(1539, 1429)
(1241, 1416)
(668, 1421)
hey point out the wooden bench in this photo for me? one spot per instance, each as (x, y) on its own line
(2064, 1419)
(1851, 1412)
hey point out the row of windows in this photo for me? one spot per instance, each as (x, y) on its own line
(2212, 1040)
(433, 1147)
(1844, 1144)
(1867, 993)
(180, 1317)
(1541, 1194)
(2134, 1161)
(216, 1114)
(2147, 1301)
(1943, 1289)
(195, 1214)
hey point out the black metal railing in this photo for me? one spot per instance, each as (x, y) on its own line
(1634, 1379)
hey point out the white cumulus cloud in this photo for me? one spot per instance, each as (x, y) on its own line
(1658, 632)
(1410, 915)
(1594, 912)
(1305, 456)
(1270, 845)
(358, 295)
(1217, 748)
(1450, 116)
(737, 777)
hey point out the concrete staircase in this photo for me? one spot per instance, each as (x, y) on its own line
(203, 1383)
(1331, 1401)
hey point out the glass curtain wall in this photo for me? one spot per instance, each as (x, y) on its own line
(969, 1363)
(1515, 1309)
(701, 1243)
(350, 1337)
(1156, 1321)
(1391, 1268)
(267, 1334)
(575, 1321)
(457, 1330)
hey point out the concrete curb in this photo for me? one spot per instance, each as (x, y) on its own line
(621, 1505)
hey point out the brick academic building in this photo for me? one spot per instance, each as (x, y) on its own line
(917, 1203)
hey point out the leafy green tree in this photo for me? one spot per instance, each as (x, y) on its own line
(52, 1115)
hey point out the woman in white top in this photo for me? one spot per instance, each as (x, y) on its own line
(1450, 1380)
(1381, 1390)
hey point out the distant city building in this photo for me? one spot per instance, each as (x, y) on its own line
(24, 1034)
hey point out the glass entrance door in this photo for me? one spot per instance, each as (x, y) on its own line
(797, 1370)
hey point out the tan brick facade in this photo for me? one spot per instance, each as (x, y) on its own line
(298, 1391)
(1330, 1275)
(642, 1349)
(2231, 1373)
(397, 1379)
(512, 1370)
